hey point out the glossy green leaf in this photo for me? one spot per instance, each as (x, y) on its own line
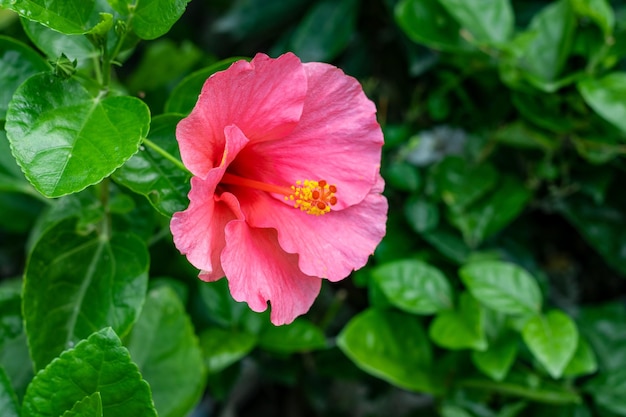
(459, 183)
(185, 95)
(449, 244)
(414, 286)
(583, 362)
(607, 97)
(427, 22)
(601, 225)
(165, 348)
(90, 406)
(338, 20)
(463, 328)
(53, 44)
(600, 11)
(607, 390)
(66, 140)
(496, 361)
(450, 410)
(222, 348)
(486, 20)
(402, 175)
(149, 173)
(65, 16)
(8, 400)
(219, 305)
(552, 339)
(503, 287)
(493, 212)
(14, 356)
(604, 326)
(421, 213)
(391, 346)
(551, 31)
(150, 19)
(17, 63)
(99, 364)
(76, 284)
(299, 336)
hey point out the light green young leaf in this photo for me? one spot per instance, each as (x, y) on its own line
(607, 97)
(166, 350)
(151, 174)
(90, 406)
(552, 339)
(66, 140)
(150, 19)
(76, 284)
(391, 346)
(17, 63)
(487, 20)
(463, 328)
(583, 362)
(8, 400)
(502, 286)
(99, 364)
(414, 286)
(221, 348)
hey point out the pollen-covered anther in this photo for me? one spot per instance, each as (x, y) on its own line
(313, 197)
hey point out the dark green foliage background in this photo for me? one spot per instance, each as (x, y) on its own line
(499, 289)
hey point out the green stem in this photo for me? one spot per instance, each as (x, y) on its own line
(165, 155)
(547, 397)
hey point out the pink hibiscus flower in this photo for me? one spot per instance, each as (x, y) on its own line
(286, 187)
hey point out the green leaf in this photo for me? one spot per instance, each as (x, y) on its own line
(414, 286)
(583, 362)
(498, 359)
(403, 176)
(185, 95)
(601, 225)
(75, 284)
(421, 213)
(493, 212)
(552, 339)
(53, 43)
(427, 22)
(391, 346)
(149, 173)
(65, 16)
(99, 364)
(607, 97)
(17, 63)
(503, 287)
(607, 390)
(66, 140)
(8, 400)
(324, 32)
(449, 244)
(552, 31)
(165, 348)
(150, 19)
(14, 356)
(299, 336)
(487, 20)
(220, 307)
(90, 406)
(459, 183)
(463, 328)
(599, 11)
(222, 348)
(604, 326)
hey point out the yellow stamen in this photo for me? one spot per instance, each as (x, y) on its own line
(312, 197)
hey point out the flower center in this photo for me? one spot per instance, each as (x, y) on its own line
(312, 197)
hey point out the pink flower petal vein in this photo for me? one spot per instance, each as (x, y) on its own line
(286, 187)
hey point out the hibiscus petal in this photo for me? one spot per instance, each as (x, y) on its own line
(329, 246)
(264, 97)
(199, 230)
(258, 271)
(337, 139)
